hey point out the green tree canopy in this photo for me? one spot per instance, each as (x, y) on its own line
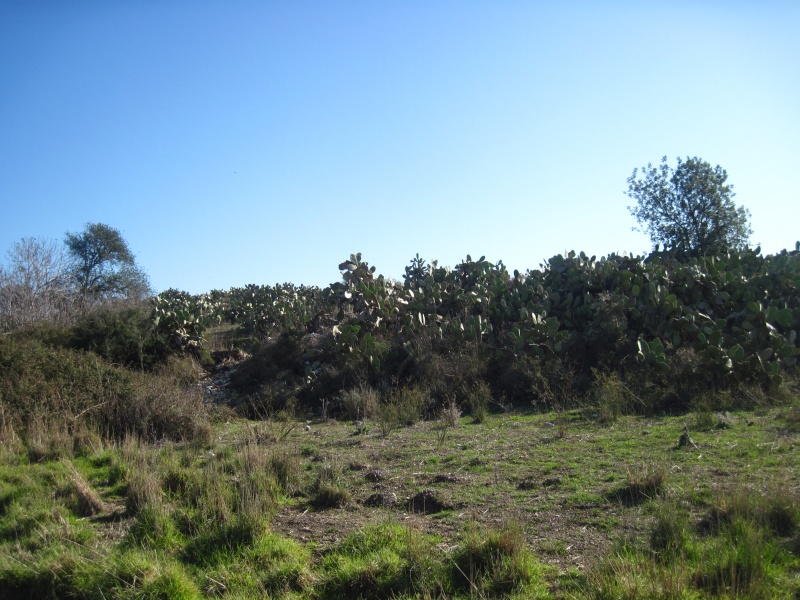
(689, 209)
(103, 266)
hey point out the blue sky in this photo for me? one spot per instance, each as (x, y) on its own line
(263, 142)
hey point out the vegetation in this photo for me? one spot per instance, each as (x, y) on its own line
(477, 332)
(623, 427)
(512, 508)
(689, 210)
(103, 265)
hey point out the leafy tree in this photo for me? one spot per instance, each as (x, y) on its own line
(688, 210)
(103, 266)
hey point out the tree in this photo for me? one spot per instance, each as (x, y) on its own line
(103, 266)
(33, 285)
(688, 210)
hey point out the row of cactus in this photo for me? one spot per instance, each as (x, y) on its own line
(183, 317)
(740, 313)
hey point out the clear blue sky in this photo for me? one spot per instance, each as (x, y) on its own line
(263, 142)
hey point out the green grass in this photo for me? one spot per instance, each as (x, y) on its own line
(588, 510)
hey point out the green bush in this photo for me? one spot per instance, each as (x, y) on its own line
(55, 387)
(123, 335)
(406, 405)
(494, 562)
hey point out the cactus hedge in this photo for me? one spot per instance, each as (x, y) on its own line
(738, 314)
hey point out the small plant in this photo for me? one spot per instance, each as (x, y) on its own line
(644, 483)
(448, 419)
(477, 401)
(612, 397)
(493, 562)
(359, 403)
(670, 533)
(328, 490)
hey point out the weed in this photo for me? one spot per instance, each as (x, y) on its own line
(612, 397)
(494, 562)
(669, 535)
(477, 401)
(359, 403)
(381, 561)
(644, 483)
(448, 419)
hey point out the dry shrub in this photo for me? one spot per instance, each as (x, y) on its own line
(47, 440)
(183, 370)
(449, 373)
(644, 483)
(612, 397)
(359, 403)
(157, 408)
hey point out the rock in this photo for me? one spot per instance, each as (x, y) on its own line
(685, 440)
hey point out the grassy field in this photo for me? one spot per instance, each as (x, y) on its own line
(521, 505)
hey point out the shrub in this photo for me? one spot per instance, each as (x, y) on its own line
(410, 404)
(669, 535)
(494, 562)
(122, 334)
(183, 370)
(328, 490)
(644, 483)
(547, 383)
(612, 397)
(477, 401)
(359, 403)
(276, 360)
(448, 372)
(48, 387)
(156, 408)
